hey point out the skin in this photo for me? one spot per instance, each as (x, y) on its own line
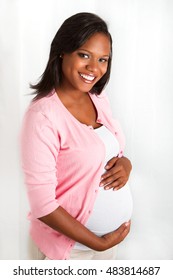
(81, 70)
(117, 173)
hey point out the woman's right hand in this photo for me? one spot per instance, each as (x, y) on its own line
(113, 238)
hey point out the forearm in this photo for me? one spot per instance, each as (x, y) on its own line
(61, 221)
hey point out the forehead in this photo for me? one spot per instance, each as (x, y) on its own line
(98, 43)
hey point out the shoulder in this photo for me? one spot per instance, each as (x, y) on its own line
(102, 97)
(43, 105)
(44, 108)
(101, 100)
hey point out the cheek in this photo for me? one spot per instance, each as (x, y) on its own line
(66, 65)
(104, 69)
(70, 66)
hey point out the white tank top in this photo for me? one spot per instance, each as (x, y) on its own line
(111, 208)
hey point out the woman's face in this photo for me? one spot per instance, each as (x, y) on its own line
(84, 67)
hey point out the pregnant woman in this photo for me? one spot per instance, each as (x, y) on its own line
(79, 208)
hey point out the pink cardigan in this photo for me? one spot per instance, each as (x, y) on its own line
(62, 161)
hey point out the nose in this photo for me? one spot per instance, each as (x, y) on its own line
(92, 66)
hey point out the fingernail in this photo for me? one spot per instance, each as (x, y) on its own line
(127, 224)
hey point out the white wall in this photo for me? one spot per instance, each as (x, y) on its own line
(140, 91)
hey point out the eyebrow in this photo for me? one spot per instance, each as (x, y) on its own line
(105, 55)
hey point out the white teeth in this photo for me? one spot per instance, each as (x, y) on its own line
(87, 77)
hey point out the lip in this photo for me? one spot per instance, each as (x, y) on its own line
(87, 78)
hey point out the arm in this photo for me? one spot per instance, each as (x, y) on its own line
(117, 173)
(63, 222)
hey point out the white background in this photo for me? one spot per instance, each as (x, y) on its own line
(140, 91)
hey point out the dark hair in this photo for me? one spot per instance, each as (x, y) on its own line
(72, 34)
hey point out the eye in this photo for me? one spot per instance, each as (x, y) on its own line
(83, 55)
(103, 60)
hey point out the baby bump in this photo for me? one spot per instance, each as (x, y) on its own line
(111, 209)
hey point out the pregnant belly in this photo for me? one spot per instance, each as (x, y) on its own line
(111, 209)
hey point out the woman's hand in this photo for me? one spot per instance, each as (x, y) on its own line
(114, 238)
(117, 173)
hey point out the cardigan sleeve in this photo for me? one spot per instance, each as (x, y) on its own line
(39, 151)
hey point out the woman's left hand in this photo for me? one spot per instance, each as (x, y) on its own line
(117, 173)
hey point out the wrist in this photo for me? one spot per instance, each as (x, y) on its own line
(100, 244)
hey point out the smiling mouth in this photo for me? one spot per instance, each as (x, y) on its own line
(87, 78)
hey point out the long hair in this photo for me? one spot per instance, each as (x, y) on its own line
(72, 34)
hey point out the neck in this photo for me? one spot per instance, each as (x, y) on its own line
(71, 94)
